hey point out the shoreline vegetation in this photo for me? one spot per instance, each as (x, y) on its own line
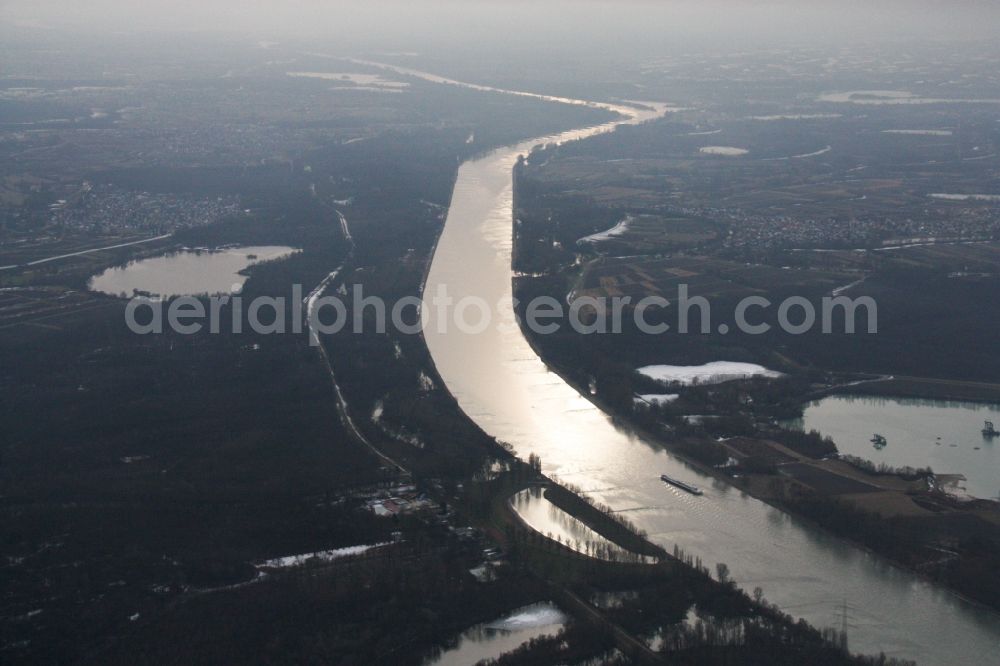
(929, 388)
(651, 597)
(611, 526)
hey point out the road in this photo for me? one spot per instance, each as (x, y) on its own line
(343, 410)
(82, 252)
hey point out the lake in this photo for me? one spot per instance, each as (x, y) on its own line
(943, 435)
(188, 272)
(546, 518)
(492, 639)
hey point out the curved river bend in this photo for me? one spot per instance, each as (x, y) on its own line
(503, 386)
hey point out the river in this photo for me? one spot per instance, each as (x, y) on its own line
(503, 386)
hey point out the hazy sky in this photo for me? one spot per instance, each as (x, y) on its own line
(433, 21)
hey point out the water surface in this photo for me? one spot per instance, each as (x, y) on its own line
(943, 435)
(546, 518)
(503, 386)
(186, 273)
(492, 639)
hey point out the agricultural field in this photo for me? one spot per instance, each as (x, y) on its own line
(817, 176)
(703, 276)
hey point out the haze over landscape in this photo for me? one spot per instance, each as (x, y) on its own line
(499, 332)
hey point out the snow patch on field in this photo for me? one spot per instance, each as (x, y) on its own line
(821, 151)
(656, 398)
(319, 555)
(725, 151)
(882, 97)
(370, 82)
(966, 197)
(919, 132)
(608, 234)
(538, 615)
(715, 372)
(797, 116)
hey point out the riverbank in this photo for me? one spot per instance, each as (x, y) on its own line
(928, 388)
(898, 534)
(603, 522)
(672, 588)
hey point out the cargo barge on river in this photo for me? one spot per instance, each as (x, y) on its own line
(694, 490)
